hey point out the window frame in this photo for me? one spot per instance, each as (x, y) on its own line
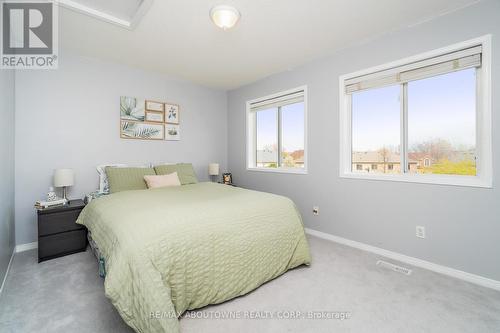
(484, 151)
(251, 137)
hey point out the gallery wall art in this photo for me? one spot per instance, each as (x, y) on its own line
(172, 132)
(172, 113)
(143, 119)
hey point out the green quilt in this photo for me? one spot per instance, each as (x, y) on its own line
(174, 249)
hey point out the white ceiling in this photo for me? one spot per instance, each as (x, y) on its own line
(177, 37)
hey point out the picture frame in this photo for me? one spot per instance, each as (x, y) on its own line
(172, 132)
(155, 106)
(227, 178)
(172, 113)
(142, 130)
(155, 116)
(132, 108)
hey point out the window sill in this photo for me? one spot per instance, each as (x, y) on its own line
(279, 170)
(467, 181)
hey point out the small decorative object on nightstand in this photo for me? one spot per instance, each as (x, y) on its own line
(227, 178)
(58, 234)
(51, 195)
(213, 170)
(64, 178)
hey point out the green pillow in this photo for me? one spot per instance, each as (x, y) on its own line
(185, 172)
(126, 179)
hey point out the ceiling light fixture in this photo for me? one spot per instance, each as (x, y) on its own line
(224, 17)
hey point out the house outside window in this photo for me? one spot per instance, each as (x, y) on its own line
(423, 119)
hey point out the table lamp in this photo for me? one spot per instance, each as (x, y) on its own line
(64, 178)
(213, 170)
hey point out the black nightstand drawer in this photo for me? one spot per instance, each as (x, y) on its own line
(58, 222)
(61, 244)
(58, 233)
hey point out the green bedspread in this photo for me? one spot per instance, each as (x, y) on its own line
(172, 249)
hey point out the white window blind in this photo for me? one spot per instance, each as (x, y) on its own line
(290, 98)
(458, 60)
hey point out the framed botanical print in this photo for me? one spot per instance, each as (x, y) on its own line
(154, 116)
(172, 113)
(141, 130)
(155, 106)
(172, 132)
(132, 108)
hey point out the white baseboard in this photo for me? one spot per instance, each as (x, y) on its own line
(26, 247)
(472, 278)
(17, 249)
(7, 271)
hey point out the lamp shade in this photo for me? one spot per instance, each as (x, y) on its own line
(64, 177)
(213, 169)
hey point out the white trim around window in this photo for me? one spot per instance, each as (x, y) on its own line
(365, 79)
(290, 96)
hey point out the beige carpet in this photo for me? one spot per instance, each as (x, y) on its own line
(343, 287)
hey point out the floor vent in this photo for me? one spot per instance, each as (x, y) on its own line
(394, 267)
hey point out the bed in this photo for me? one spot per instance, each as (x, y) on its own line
(173, 249)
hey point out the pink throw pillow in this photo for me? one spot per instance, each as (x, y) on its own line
(162, 181)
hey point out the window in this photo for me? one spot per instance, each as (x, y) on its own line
(442, 123)
(359, 167)
(276, 132)
(424, 119)
(375, 126)
(267, 138)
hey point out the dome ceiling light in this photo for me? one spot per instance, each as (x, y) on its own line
(224, 17)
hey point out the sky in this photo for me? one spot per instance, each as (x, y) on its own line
(438, 107)
(292, 118)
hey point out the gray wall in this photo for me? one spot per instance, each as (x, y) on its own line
(462, 224)
(6, 169)
(69, 118)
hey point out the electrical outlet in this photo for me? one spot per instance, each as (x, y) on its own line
(315, 210)
(420, 231)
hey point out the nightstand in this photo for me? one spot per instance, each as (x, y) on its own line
(58, 234)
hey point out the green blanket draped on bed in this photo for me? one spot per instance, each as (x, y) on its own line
(172, 249)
